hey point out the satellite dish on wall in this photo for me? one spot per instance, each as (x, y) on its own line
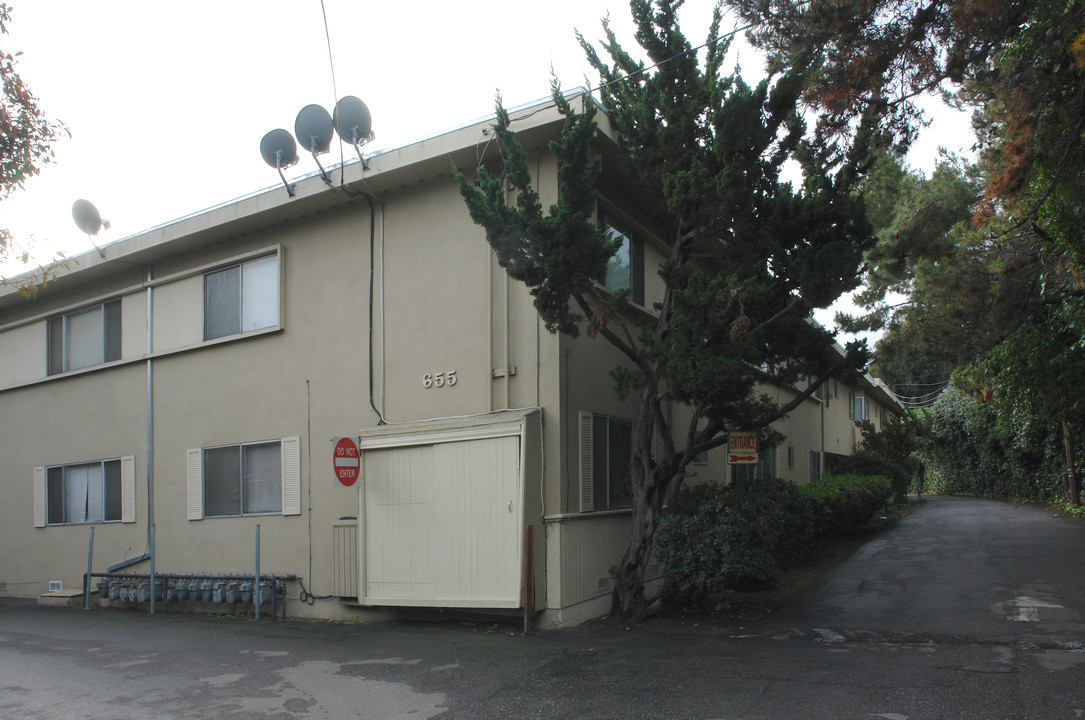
(279, 151)
(313, 128)
(86, 217)
(352, 120)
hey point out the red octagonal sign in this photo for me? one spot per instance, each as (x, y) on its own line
(346, 462)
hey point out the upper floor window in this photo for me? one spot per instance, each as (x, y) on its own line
(625, 269)
(241, 298)
(85, 337)
(822, 391)
(860, 408)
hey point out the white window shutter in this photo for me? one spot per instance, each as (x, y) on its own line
(195, 484)
(291, 458)
(39, 497)
(128, 489)
(587, 484)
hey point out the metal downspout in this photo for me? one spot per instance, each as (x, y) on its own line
(824, 458)
(150, 427)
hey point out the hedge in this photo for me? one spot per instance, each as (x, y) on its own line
(718, 538)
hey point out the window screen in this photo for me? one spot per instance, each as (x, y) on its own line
(241, 298)
(612, 445)
(222, 480)
(84, 338)
(242, 479)
(222, 303)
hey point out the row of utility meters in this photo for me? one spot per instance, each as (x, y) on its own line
(182, 590)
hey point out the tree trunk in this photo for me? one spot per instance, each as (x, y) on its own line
(650, 481)
(630, 601)
(1075, 495)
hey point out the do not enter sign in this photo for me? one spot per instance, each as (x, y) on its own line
(346, 462)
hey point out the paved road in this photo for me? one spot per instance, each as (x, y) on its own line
(968, 609)
(979, 569)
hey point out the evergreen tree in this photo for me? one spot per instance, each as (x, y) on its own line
(750, 256)
(989, 258)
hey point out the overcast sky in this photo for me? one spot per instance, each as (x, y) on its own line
(166, 103)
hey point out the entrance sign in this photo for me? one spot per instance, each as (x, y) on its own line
(742, 448)
(346, 462)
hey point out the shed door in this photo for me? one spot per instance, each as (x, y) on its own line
(443, 524)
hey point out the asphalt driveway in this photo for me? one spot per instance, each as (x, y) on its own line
(967, 609)
(959, 566)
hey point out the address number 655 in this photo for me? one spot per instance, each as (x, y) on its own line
(441, 379)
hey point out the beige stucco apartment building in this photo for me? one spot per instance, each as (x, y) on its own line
(196, 377)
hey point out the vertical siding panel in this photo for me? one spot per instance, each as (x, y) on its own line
(345, 553)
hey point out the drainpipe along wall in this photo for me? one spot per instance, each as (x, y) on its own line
(149, 554)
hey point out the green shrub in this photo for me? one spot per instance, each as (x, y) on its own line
(866, 462)
(732, 537)
(844, 503)
(718, 538)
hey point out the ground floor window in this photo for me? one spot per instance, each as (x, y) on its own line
(815, 466)
(764, 467)
(256, 478)
(242, 479)
(606, 475)
(87, 492)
